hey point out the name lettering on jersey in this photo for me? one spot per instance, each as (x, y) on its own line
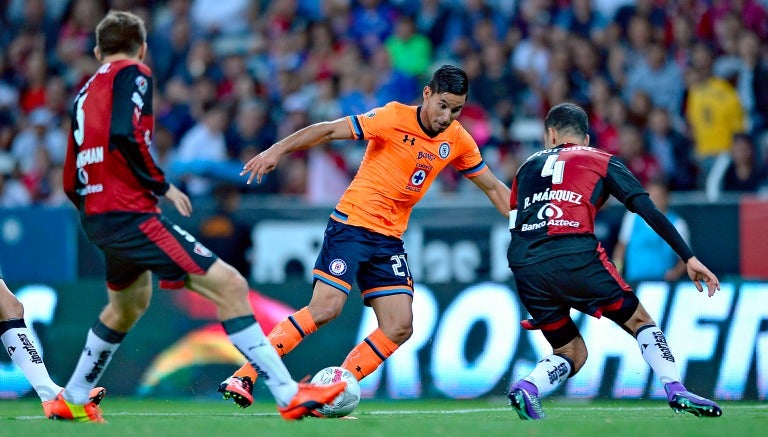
(407, 139)
(427, 155)
(90, 156)
(549, 195)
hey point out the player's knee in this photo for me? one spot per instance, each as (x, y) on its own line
(12, 308)
(399, 333)
(325, 311)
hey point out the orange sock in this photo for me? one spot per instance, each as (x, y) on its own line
(285, 336)
(369, 354)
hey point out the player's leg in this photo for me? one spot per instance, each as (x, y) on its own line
(334, 271)
(20, 345)
(223, 285)
(325, 305)
(656, 352)
(395, 316)
(569, 353)
(128, 301)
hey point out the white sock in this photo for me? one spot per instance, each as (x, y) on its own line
(100, 346)
(549, 373)
(20, 345)
(247, 336)
(653, 346)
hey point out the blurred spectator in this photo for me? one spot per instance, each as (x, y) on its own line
(174, 111)
(204, 142)
(77, 36)
(672, 150)
(644, 255)
(608, 129)
(216, 17)
(587, 65)
(530, 58)
(327, 175)
(372, 23)
(682, 39)
(459, 38)
(41, 133)
(639, 109)
(432, 21)
(359, 93)
(169, 49)
(34, 73)
(742, 64)
(223, 233)
(713, 108)
(252, 130)
(496, 89)
(658, 77)
(13, 194)
(738, 172)
(649, 10)
(581, 20)
(163, 148)
(35, 19)
(633, 153)
(410, 52)
(392, 84)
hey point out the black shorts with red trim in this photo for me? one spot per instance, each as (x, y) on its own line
(152, 242)
(585, 281)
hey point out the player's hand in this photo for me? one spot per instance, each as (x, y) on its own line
(699, 272)
(179, 200)
(260, 165)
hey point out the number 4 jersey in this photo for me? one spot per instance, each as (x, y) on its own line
(555, 197)
(108, 169)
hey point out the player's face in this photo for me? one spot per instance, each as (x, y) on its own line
(439, 110)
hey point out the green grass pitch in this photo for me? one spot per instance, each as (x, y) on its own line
(487, 417)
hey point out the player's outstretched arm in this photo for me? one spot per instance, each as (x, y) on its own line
(495, 189)
(305, 138)
(179, 200)
(699, 272)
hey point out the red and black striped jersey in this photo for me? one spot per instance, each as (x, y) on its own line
(557, 193)
(108, 168)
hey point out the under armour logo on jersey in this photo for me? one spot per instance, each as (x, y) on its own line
(407, 139)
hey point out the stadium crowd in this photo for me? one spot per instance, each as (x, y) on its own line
(677, 89)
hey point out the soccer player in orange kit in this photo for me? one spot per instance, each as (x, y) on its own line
(407, 148)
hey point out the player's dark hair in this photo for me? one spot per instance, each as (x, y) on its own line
(449, 79)
(120, 32)
(567, 118)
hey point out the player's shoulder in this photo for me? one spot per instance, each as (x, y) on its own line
(131, 67)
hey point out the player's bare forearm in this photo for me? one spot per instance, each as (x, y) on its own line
(305, 138)
(496, 191)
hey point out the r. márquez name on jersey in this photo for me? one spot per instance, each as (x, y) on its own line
(551, 201)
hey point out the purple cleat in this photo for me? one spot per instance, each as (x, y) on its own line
(524, 398)
(681, 400)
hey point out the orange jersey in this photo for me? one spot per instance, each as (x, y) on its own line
(400, 163)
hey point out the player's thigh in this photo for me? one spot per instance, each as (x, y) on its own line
(221, 282)
(134, 297)
(592, 285)
(326, 303)
(344, 248)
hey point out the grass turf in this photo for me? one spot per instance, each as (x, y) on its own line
(488, 417)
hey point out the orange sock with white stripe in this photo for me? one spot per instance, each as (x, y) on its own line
(285, 336)
(367, 356)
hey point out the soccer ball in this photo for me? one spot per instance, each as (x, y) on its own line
(345, 402)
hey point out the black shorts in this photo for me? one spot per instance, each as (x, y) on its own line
(377, 262)
(158, 245)
(586, 281)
